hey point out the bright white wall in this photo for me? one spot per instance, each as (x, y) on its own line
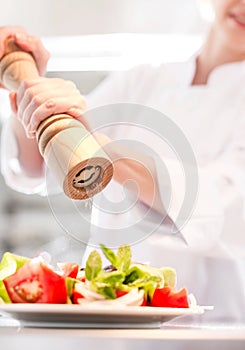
(77, 17)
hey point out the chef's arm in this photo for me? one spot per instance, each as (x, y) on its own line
(30, 160)
(145, 178)
(21, 163)
(135, 171)
(197, 211)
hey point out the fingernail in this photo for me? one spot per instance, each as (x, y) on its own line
(31, 134)
(21, 36)
(30, 129)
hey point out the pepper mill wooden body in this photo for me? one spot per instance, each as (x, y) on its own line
(77, 161)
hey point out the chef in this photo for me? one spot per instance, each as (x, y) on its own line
(204, 98)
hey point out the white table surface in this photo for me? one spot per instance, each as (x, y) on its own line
(180, 334)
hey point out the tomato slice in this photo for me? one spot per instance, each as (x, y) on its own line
(169, 297)
(69, 269)
(120, 293)
(76, 296)
(35, 282)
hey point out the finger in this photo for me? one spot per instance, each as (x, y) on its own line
(50, 96)
(33, 87)
(37, 110)
(33, 117)
(25, 93)
(41, 55)
(30, 135)
(12, 98)
(8, 31)
(23, 100)
(58, 105)
(34, 45)
(34, 92)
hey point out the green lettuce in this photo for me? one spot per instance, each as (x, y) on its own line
(126, 276)
(122, 260)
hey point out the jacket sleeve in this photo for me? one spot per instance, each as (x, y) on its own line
(12, 172)
(212, 225)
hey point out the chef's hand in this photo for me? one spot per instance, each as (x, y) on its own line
(27, 42)
(38, 99)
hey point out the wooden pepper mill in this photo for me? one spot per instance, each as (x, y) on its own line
(77, 161)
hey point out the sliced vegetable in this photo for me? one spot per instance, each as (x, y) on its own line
(35, 282)
(9, 264)
(169, 275)
(76, 296)
(4, 297)
(120, 293)
(169, 297)
(69, 269)
(24, 280)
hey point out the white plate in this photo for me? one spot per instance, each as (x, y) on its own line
(55, 315)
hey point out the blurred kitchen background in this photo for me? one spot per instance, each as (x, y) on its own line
(87, 40)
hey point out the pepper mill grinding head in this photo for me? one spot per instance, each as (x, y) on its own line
(77, 161)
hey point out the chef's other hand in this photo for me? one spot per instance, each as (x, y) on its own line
(38, 99)
(27, 42)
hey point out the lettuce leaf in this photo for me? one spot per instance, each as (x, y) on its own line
(127, 275)
(109, 254)
(10, 263)
(122, 260)
(124, 256)
(3, 293)
(93, 266)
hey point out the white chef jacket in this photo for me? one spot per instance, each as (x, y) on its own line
(212, 263)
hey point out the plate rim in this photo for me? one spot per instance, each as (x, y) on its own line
(98, 310)
(81, 316)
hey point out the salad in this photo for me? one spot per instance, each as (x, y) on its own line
(123, 282)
